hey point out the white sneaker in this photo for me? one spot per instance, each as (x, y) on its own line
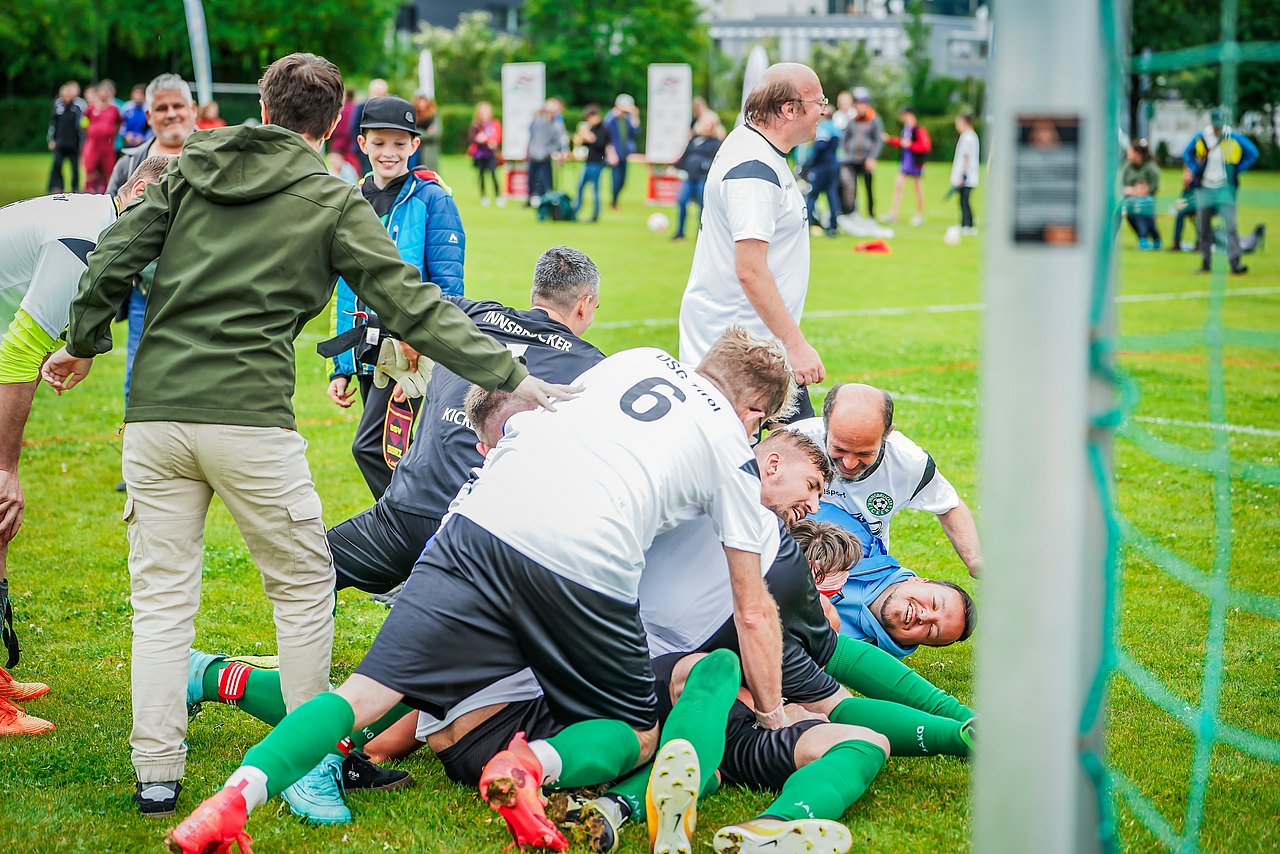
(501, 201)
(969, 230)
(671, 802)
(918, 219)
(484, 201)
(770, 836)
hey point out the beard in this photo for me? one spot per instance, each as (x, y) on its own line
(866, 472)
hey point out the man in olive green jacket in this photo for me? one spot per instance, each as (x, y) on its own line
(250, 233)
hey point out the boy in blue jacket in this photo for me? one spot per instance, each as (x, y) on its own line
(418, 210)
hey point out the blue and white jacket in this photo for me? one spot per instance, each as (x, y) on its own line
(426, 227)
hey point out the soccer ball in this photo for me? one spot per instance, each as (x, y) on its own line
(658, 222)
(952, 235)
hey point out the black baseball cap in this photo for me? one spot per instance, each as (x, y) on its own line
(390, 113)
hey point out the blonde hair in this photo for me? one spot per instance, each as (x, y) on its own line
(752, 370)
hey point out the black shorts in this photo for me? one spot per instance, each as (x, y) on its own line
(756, 757)
(475, 610)
(376, 550)
(465, 759)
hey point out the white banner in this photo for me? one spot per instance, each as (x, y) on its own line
(669, 112)
(524, 88)
(426, 75)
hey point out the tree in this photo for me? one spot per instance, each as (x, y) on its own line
(594, 50)
(840, 66)
(468, 59)
(918, 63)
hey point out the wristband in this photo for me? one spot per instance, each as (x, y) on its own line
(771, 720)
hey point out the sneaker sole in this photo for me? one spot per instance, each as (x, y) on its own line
(402, 783)
(806, 836)
(673, 791)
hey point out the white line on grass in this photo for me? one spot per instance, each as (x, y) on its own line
(948, 309)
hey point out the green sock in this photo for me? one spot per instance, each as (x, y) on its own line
(364, 735)
(911, 732)
(871, 671)
(262, 696)
(594, 751)
(701, 714)
(828, 787)
(632, 789)
(301, 740)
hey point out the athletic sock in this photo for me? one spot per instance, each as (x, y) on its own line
(632, 788)
(875, 673)
(594, 751)
(251, 689)
(301, 740)
(829, 786)
(911, 732)
(364, 735)
(701, 713)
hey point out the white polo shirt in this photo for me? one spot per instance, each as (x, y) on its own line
(750, 195)
(906, 476)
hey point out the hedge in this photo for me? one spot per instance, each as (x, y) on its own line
(24, 124)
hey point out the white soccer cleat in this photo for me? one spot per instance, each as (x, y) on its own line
(770, 836)
(671, 801)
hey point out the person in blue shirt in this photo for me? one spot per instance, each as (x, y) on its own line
(822, 171)
(422, 218)
(623, 124)
(1215, 158)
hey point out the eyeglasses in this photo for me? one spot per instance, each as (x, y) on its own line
(821, 102)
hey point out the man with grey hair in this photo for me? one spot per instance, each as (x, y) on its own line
(751, 262)
(171, 114)
(375, 550)
(879, 471)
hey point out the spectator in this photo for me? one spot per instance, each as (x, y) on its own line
(859, 147)
(964, 170)
(104, 121)
(845, 110)
(484, 141)
(822, 172)
(209, 117)
(593, 134)
(340, 168)
(343, 140)
(1217, 156)
(695, 163)
(699, 108)
(1140, 178)
(548, 141)
(427, 120)
(623, 124)
(66, 133)
(134, 130)
(377, 89)
(915, 145)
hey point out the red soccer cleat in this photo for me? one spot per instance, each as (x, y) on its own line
(14, 721)
(20, 692)
(512, 784)
(214, 826)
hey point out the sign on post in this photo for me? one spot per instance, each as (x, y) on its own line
(669, 111)
(524, 87)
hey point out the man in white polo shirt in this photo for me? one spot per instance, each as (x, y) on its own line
(879, 471)
(751, 262)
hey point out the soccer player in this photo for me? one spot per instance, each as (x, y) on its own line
(879, 471)
(243, 206)
(375, 550)
(45, 243)
(538, 566)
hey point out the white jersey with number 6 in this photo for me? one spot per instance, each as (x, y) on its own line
(585, 489)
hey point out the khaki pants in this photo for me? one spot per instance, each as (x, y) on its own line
(172, 470)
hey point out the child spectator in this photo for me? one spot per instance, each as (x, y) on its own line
(964, 170)
(484, 141)
(134, 130)
(915, 145)
(822, 171)
(594, 136)
(1140, 178)
(104, 120)
(209, 117)
(695, 162)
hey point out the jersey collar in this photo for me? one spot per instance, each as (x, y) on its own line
(766, 140)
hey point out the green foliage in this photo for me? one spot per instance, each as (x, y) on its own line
(917, 58)
(726, 86)
(840, 66)
(23, 122)
(468, 59)
(595, 50)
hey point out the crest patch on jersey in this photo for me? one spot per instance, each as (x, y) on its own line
(879, 504)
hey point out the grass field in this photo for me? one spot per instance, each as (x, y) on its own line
(874, 319)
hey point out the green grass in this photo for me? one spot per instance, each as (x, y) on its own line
(69, 791)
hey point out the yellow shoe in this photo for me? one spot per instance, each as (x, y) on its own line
(771, 836)
(671, 801)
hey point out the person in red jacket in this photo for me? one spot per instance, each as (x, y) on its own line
(103, 123)
(915, 145)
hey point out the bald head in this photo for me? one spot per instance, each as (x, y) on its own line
(785, 105)
(857, 419)
(378, 88)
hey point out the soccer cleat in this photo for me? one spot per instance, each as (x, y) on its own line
(771, 836)
(671, 801)
(359, 773)
(20, 692)
(14, 721)
(197, 663)
(317, 797)
(968, 732)
(512, 784)
(595, 823)
(214, 826)
(157, 800)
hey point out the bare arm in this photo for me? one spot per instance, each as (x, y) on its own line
(15, 406)
(960, 529)
(755, 615)
(751, 258)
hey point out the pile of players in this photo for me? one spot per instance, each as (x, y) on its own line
(604, 580)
